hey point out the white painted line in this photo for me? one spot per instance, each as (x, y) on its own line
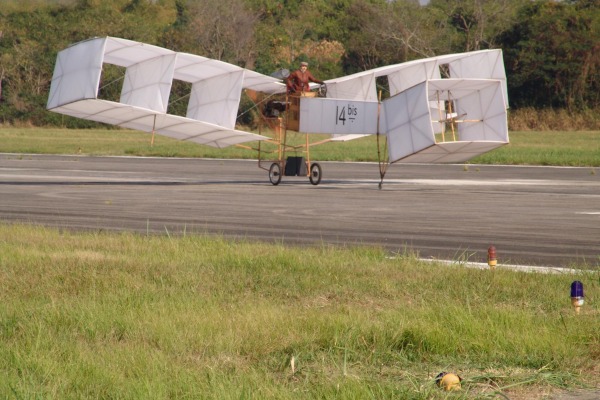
(465, 182)
(521, 268)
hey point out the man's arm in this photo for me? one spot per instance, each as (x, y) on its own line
(313, 79)
(290, 82)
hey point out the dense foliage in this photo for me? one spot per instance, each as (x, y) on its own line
(551, 48)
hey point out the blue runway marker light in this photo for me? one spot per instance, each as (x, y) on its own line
(577, 295)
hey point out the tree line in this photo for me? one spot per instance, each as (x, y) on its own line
(551, 48)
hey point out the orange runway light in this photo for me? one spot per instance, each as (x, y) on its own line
(492, 258)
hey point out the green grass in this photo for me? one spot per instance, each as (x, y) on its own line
(578, 149)
(101, 315)
(98, 315)
(533, 148)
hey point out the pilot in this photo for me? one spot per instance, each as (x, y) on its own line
(298, 81)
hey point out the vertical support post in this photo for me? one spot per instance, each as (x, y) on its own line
(282, 140)
(307, 156)
(451, 118)
(153, 127)
(383, 163)
(441, 117)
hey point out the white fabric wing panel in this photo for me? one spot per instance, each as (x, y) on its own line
(479, 107)
(486, 105)
(486, 64)
(216, 88)
(192, 68)
(346, 138)
(77, 73)
(262, 83)
(451, 152)
(413, 74)
(361, 87)
(216, 100)
(125, 53)
(407, 121)
(148, 84)
(142, 119)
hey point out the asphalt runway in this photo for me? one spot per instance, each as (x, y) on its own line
(544, 216)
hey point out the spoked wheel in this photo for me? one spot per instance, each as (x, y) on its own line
(275, 174)
(315, 174)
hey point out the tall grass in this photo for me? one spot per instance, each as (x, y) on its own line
(531, 119)
(562, 148)
(98, 315)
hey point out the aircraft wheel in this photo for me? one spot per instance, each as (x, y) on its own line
(275, 174)
(315, 174)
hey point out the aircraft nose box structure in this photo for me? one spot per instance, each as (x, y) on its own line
(444, 109)
(467, 115)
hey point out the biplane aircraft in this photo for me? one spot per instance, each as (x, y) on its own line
(444, 109)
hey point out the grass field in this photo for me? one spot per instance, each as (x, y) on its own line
(535, 148)
(101, 315)
(98, 315)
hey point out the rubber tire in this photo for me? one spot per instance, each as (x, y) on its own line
(315, 174)
(275, 174)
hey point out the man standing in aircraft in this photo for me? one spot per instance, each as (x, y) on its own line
(298, 81)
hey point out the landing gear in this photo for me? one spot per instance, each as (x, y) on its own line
(315, 174)
(275, 174)
(275, 171)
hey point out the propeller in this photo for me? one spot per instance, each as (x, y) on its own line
(281, 74)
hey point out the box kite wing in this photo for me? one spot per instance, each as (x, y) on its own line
(442, 109)
(216, 89)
